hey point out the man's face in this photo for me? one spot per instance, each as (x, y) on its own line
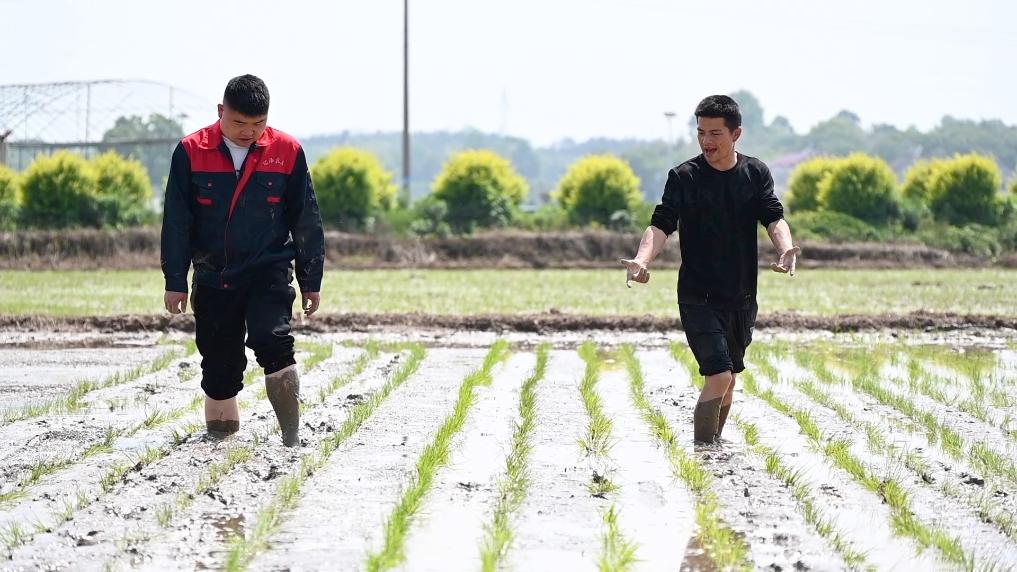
(239, 128)
(716, 140)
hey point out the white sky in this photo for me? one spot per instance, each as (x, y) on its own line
(565, 68)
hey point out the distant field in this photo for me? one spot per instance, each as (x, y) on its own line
(595, 292)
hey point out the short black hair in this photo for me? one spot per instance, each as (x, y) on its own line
(721, 106)
(247, 94)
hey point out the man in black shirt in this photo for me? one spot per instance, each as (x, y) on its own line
(714, 202)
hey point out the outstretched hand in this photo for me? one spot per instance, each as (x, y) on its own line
(787, 261)
(635, 271)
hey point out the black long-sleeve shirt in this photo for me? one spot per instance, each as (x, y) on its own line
(715, 214)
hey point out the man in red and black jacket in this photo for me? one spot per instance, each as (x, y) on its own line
(240, 206)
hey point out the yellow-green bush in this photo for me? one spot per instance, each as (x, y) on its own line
(10, 198)
(481, 189)
(916, 181)
(862, 186)
(352, 186)
(965, 190)
(123, 190)
(803, 186)
(599, 187)
(58, 192)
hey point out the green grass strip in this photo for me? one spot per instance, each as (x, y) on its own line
(72, 400)
(243, 549)
(903, 521)
(513, 486)
(808, 505)
(435, 456)
(724, 546)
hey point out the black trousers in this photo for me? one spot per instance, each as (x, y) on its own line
(260, 311)
(718, 337)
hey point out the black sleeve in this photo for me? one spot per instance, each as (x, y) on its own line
(770, 209)
(304, 221)
(177, 218)
(665, 215)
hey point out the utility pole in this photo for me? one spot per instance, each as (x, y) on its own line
(407, 195)
(670, 115)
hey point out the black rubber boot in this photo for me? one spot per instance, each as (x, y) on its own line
(724, 409)
(283, 389)
(706, 420)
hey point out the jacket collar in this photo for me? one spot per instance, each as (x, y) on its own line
(211, 137)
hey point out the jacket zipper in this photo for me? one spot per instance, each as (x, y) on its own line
(229, 216)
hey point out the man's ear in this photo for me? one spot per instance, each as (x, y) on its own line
(734, 136)
(220, 111)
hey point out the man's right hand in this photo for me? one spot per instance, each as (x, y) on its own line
(176, 302)
(635, 270)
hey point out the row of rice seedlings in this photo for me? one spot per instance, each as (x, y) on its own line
(937, 432)
(725, 547)
(838, 451)
(118, 471)
(807, 502)
(513, 486)
(243, 453)
(243, 549)
(435, 456)
(877, 442)
(72, 400)
(919, 380)
(617, 553)
(597, 441)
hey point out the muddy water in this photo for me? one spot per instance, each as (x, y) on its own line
(559, 524)
(343, 508)
(449, 532)
(128, 516)
(656, 511)
(757, 507)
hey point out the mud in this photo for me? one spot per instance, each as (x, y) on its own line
(340, 512)
(545, 323)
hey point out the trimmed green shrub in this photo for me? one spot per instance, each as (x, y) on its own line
(123, 190)
(481, 189)
(832, 226)
(59, 191)
(916, 181)
(352, 187)
(970, 239)
(965, 190)
(862, 186)
(10, 198)
(803, 185)
(601, 189)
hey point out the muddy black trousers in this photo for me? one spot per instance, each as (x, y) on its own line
(260, 311)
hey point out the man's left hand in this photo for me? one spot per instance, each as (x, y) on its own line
(309, 302)
(787, 261)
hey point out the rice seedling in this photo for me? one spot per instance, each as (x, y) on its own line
(513, 486)
(617, 553)
(597, 440)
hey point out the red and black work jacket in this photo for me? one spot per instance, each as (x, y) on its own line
(234, 226)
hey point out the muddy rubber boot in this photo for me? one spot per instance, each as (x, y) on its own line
(222, 417)
(283, 389)
(706, 419)
(724, 409)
